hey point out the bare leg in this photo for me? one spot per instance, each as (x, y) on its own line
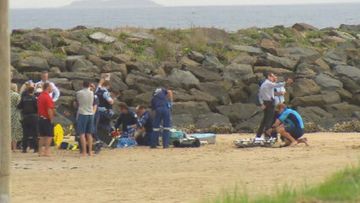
(281, 130)
(13, 146)
(83, 144)
(90, 143)
(48, 141)
(41, 145)
(303, 140)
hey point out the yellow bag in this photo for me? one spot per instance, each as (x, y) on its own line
(58, 135)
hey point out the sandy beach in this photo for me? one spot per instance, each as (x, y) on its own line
(179, 175)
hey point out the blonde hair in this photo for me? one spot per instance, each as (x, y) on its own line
(14, 87)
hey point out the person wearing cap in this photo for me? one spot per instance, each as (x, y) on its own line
(289, 125)
(46, 112)
(161, 103)
(55, 94)
(145, 125)
(267, 101)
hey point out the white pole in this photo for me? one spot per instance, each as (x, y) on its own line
(5, 137)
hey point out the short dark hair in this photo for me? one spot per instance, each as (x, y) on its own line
(86, 84)
(140, 107)
(44, 72)
(267, 74)
(45, 86)
(30, 90)
(123, 105)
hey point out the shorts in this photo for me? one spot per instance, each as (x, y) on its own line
(296, 133)
(46, 128)
(85, 124)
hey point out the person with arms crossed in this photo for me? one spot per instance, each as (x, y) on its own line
(46, 112)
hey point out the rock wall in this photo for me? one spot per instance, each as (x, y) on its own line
(214, 74)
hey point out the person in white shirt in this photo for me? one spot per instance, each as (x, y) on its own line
(45, 79)
(267, 101)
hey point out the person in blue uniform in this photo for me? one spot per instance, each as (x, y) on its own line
(289, 125)
(161, 104)
(145, 125)
(127, 121)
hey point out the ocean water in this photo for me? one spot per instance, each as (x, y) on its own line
(230, 18)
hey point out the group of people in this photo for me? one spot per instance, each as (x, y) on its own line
(33, 112)
(278, 118)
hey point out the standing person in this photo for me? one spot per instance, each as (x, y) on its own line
(105, 111)
(55, 94)
(46, 112)
(161, 103)
(145, 124)
(85, 118)
(26, 86)
(15, 117)
(98, 143)
(266, 98)
(29, 110)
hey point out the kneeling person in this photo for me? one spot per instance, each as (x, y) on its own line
(289, 125)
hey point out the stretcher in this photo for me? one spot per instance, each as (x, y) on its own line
(250, 143)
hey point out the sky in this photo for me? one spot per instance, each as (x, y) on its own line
(58, 3)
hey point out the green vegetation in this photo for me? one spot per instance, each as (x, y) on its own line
(342, 187)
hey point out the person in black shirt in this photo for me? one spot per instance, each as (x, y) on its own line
(29, 110)
(127, 121)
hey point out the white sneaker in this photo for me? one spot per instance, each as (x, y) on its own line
(259, 140)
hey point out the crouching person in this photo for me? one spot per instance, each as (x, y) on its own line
(127, 121)
(290, 126)
(145, 126)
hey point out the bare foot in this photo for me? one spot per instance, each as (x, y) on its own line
(293, 144)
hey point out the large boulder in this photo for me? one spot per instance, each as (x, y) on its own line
(212, 63)
(193, 108)
(183, 120)
(251, 125)
(239, 95)
(117, 83)
(304, 87)
(342, 110)
(76, 76)
(348, 71)
(304, 27)
(238, 72)
(218, 90)
(317, 115)
(205, 75)
(246, 49)
(200, 96)
(32, 64)
(280, 62)
(196, 56)
(238, 112)
(102, 38)
(317, 100)
(183, 77)
(186, 62)
(327, 82)
(277, 71)
(244, 58)
(41, 38)
(299, 53)
(80, 65)
(212, 121)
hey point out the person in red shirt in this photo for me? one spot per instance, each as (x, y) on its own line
(46, 111)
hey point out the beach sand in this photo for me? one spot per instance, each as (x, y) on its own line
(142, 175)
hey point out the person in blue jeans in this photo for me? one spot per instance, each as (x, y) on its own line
(161, 104)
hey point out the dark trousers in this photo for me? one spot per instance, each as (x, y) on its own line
(30, 132)
(268, 119)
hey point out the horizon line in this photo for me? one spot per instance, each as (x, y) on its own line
(211, 5)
